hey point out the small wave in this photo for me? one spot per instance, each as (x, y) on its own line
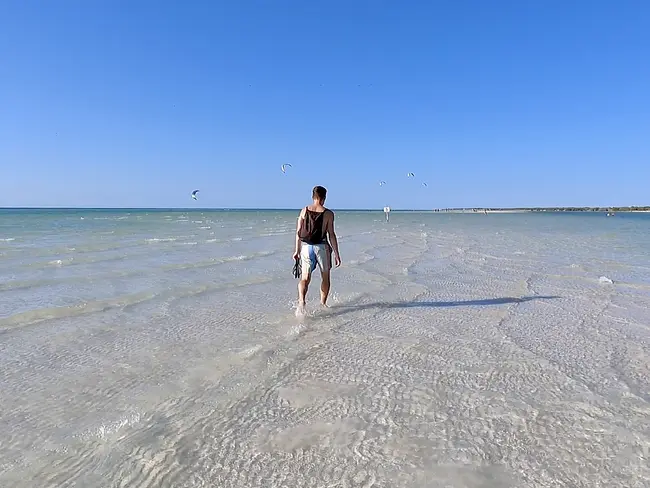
(296, 330)
(161, 239)
(250, 351)
(42, 314)
(108, 428)
(241, 257)
(31, 317)
(7, 239)
(246, 257)
(217, 262)
(271, 234)
(80, 260)
(25, 284)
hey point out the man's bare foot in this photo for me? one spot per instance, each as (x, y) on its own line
(324, 305)
(301, 310)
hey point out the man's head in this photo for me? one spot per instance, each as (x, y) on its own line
(319, 194)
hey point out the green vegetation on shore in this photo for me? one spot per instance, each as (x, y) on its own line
(548, 209)
(591, 209)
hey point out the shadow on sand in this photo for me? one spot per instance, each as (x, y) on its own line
(343, 309)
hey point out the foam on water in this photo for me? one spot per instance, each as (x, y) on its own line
(464, 350)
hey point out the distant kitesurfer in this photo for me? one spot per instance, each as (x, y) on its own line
(314, 233)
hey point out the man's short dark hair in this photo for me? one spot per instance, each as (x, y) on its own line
(319, 193)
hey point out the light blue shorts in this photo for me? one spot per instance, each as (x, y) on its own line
(312, 255)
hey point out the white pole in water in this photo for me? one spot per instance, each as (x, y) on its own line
(387, 213)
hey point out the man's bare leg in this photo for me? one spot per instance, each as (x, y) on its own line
(303, 287)
(324, 287)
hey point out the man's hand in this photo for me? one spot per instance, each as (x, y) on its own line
(296, 255)
(337, 260)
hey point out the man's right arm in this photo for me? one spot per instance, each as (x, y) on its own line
(296, 250)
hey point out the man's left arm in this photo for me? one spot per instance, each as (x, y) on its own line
(333, 240)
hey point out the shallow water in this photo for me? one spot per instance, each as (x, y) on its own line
(159, 348)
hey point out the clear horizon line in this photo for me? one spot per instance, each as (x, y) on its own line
(340, 209)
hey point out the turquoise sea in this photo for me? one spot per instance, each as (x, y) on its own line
(159, 348)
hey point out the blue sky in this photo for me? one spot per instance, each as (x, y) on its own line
(501, 103)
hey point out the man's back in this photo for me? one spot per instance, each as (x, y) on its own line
(320, 216)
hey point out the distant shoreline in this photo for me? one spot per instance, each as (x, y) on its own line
(547, 210)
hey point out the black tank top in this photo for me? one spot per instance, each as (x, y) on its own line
(313, 231)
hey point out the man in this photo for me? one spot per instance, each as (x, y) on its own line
(314, 232)
(387, 213)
